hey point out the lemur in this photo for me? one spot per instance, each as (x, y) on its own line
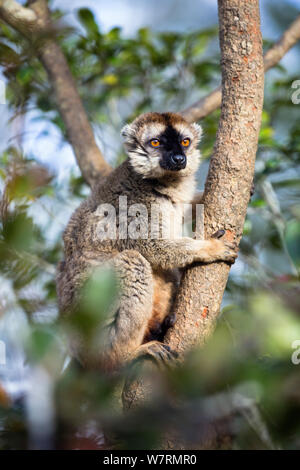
(163, 158)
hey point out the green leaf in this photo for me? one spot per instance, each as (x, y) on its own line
(8, 56)
(41, 341)
(18, 231)
(87, 20)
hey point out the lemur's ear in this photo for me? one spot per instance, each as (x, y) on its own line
(126, 131)
(198, 130)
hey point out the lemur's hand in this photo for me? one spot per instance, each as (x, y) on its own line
(220, 250)
(223, 249)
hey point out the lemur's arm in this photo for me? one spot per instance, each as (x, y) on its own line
(170, 254)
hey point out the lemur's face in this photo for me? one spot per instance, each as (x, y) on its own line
(161, 144)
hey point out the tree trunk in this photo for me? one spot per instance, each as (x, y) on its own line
(231, 171)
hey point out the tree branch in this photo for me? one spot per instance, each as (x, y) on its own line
(35, 24)
(211, 102)
(289, 38)
(20, 18)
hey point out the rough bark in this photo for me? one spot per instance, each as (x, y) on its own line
(22, 19)
(35, 24)
(211, 102)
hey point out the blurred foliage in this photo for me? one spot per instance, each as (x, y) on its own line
(245, 373)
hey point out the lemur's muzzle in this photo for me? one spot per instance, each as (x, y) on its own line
(177, 162)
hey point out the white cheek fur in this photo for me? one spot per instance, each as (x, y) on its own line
(148, 166)
(145, 165)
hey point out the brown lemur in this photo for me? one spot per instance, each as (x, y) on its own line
(163, 157)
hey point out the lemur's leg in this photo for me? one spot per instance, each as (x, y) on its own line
(126, 326)
(123, 333)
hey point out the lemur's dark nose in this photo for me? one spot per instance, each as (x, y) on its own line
(179, 161)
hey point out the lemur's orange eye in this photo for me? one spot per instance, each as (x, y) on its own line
(155, 143)
(185, 142)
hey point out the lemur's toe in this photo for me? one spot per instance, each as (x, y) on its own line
(158, 352)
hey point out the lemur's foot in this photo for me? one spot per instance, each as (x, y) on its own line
(146, 370)
(158, 352)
